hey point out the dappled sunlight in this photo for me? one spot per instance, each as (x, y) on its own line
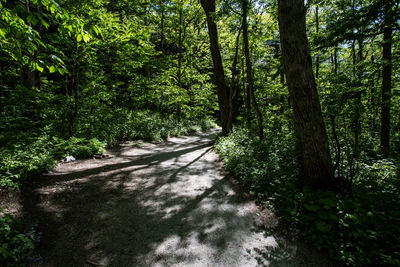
(160, 208)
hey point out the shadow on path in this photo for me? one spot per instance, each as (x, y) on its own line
(162, 204)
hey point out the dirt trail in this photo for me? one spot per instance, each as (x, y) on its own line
(153, 205)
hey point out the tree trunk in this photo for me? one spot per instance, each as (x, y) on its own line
(28, 77)
(315, 162)
(180, 41)
(249, 73)
(74, 90)
(246, 97)
(317, 31)
(386, 79)
(335, 60)
(162, 26)
(234, 86)
(223, 91)
(246, 94)
(357, 126)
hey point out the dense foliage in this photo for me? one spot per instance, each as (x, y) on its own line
(95, 69)
(26, 159)
(17, 247)
(358, 230)
(77, 76)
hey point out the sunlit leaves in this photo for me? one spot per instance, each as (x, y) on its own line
(20, 36)
(52, 69)
(39, 68)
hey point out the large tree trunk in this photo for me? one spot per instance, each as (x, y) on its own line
(386, 79)
(315, 162)
(223, 91)
(249, 73)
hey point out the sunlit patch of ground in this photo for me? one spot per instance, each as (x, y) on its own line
(153, 205)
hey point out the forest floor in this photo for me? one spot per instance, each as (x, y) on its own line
(160, 204)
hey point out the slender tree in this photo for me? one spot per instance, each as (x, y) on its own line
(315, 161)
(234, 85)
(386, 76)
(317, 31)
(223, 91)
(249, 73)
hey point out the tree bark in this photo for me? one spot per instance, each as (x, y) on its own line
(162, 26)
(180, 44)
(234, 86)
(223, 91)
(315, 161)
(357, 104)
(386, 79)
(249, 73)
(180, 41)
(335, 60)
(317, 31)
(246, 97)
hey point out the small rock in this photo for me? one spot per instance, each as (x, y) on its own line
(69, 159)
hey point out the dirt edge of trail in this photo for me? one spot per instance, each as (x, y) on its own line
(154, 204)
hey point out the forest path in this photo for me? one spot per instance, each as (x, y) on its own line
(153, 205)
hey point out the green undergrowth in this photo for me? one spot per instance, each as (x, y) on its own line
(123, 125)
(361, 228)
(17, 247)
(25, 155)
(37, 155)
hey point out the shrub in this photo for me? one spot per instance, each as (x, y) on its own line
(29, 158)
(24, 159)
(361, 229)
(122, 125)
(17, 246)
(27, 155)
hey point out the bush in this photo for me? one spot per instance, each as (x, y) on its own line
(26, 155)
(24, 159)
(33, 157)
(361, 229)
(123, 125)
(80, 148)
(17, 246)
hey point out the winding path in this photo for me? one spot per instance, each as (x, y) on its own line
(152, 205)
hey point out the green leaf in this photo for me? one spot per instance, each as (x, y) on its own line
(96, 30)
(44, 23)
(79, 37)
(52, 69)
(62, 71)
(39, 68)
(86, 38)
